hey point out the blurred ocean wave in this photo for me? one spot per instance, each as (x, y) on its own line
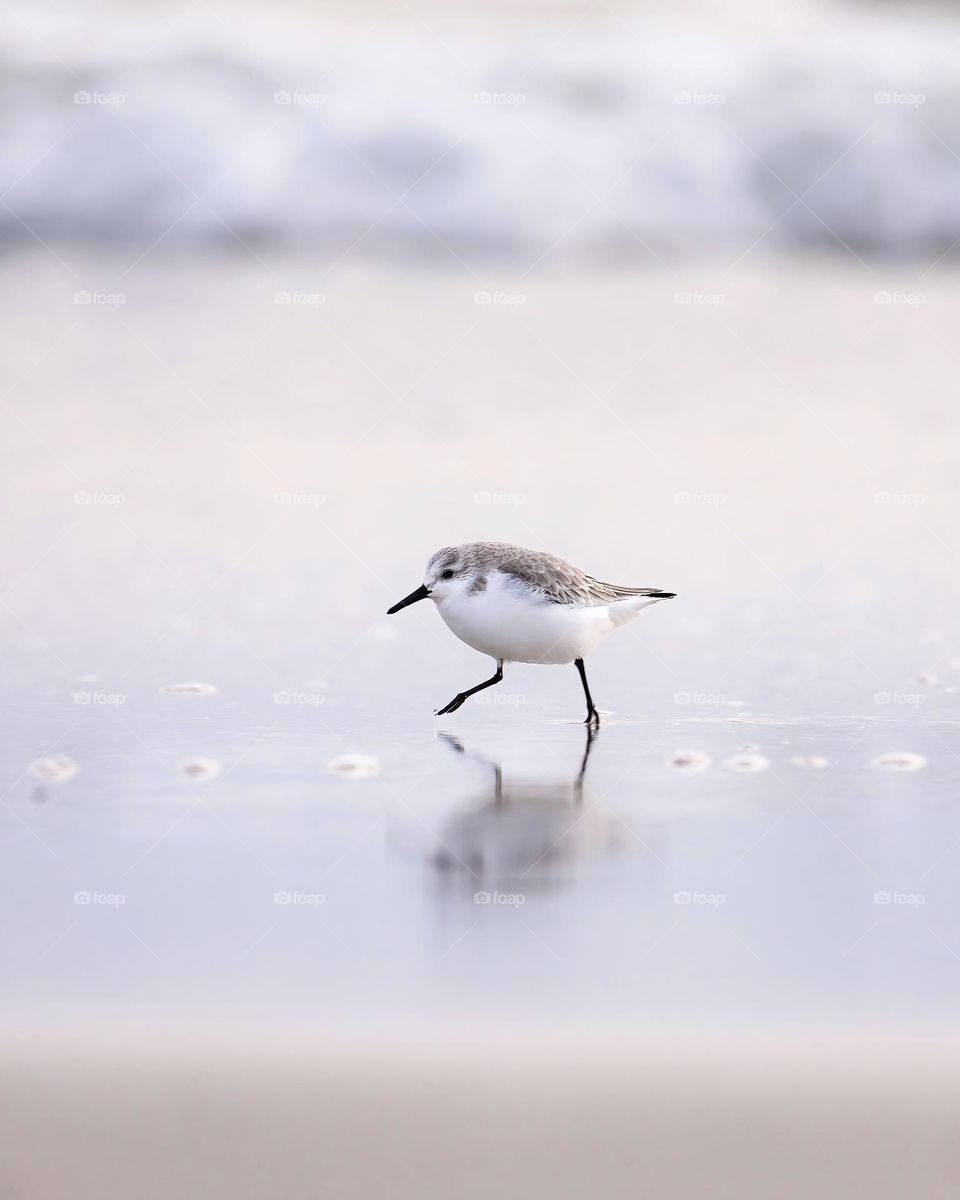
(627, 136)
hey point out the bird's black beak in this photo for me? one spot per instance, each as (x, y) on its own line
(421, 593)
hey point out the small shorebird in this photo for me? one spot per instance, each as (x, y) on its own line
(522, 605)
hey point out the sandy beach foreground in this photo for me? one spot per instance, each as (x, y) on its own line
(572, 1118)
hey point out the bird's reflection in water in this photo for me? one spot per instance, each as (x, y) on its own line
(518, 836)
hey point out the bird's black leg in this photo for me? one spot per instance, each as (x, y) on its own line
(593, 717)
(461, 696)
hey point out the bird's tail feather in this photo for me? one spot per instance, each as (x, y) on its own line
(626, 609)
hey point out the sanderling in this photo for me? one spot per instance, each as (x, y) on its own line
(522, 605)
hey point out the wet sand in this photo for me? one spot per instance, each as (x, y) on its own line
(573, 1118)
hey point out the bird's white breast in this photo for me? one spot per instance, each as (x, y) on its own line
(506, 621)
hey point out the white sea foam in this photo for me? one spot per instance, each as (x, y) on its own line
(689, 760)
(55, 768)
(199, 768)
(354, 766)
(479, 141)
(900, 760)
(747, 763)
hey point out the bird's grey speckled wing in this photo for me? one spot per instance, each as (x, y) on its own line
(561, 583)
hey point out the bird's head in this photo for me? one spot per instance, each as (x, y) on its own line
(450, 572)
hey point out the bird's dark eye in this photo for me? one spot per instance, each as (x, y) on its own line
(447, 574)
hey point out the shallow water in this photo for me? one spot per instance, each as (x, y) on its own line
(469, 875)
